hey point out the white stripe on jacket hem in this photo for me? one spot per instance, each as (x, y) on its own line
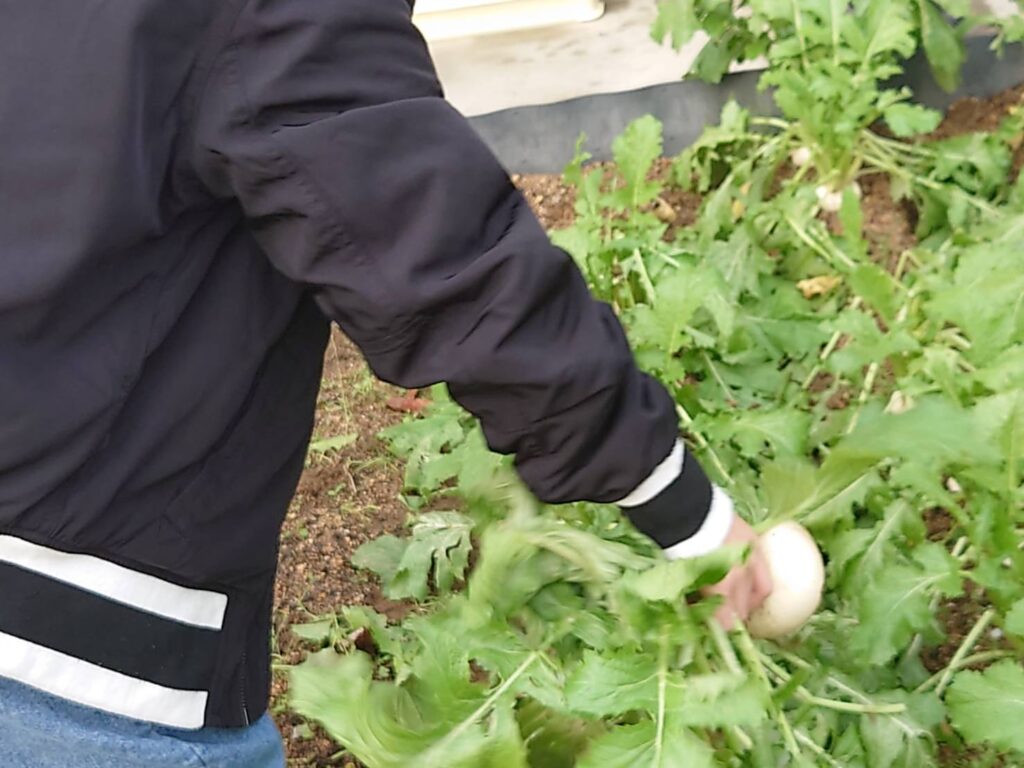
(194, 607)
(93, 686)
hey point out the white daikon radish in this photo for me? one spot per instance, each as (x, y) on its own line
(801, 157)
(798, 580)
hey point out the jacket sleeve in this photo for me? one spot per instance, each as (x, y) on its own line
(325, 119)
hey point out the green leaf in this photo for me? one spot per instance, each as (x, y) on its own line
(333, 443)
(1015, 619)
(988, 707)
(605, 686)
(382, 555)
(670, 581)
(995, 271)
(676, 19)
(555, 740)
(906, 120)
(436, 554)
(714, 60)
(717, 700)
(943, 45)
(1006, 371)
(896, 605)
(1000, 420)
(888, 31)
(784, 430)
(463, 726)
(797, 490)
(874, 549)
(934, 433)
(635, 151)
(877, 287)
(316, 632)
(638, 746)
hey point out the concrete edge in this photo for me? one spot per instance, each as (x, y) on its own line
(541, 139)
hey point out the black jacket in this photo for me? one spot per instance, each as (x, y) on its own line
(189, 191)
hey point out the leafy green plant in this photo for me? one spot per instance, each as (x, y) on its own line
(821, 378)
(831, 66)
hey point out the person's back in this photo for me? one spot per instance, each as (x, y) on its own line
(158, 375)
(190, 190)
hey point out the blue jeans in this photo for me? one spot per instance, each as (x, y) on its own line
(40, 731)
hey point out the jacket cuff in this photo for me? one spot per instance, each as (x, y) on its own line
(680, 509)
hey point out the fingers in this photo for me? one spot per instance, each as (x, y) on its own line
(743, 591)
(763, 585)
(736, 593)
(725, 617)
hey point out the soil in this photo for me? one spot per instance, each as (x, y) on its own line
(350, 496)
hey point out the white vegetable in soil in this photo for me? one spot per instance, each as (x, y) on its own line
(832, 200)
(798, 580)
(801, 157)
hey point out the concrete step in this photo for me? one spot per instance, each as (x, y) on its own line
(455, 19)
(490, 72)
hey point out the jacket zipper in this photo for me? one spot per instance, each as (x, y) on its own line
(245, 706)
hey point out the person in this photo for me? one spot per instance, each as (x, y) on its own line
(192, 191)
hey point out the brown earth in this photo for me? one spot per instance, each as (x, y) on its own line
(350, 496)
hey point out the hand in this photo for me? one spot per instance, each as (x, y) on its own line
(748, 585)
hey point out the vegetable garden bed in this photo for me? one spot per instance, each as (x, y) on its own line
(834, 297)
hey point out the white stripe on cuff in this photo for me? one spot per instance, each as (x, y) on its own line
(712, 533)
(93, 686)
(195, 607)
(661, 478)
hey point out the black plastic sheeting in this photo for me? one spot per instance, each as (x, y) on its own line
(541, 139)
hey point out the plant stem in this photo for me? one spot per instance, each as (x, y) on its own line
(725, 648)
(817, 247)
(662, 687)
(729, 395)
(808, 742)
(865, 393)
(645, 277)
(704, 445)
(869, 708)
(798, 25)
(453, 735)
(833, 342)
(753, 659)
(910, 729)
(968, 661)
(965, 648)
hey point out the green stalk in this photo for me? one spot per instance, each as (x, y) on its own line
(890, 167)
(662, 688)
(645, 277)
(833, 342)
(725, 648)
(454, 734)
(808, 742)
(865, 393)
(843, 687)
(729, 394)
(817, 247)
(739, 739)
(798, 24)
(984, 657)
(704, 445)
(753, 658)
(869, 708)
(965, 648)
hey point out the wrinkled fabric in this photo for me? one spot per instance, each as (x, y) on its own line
(192, 191)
